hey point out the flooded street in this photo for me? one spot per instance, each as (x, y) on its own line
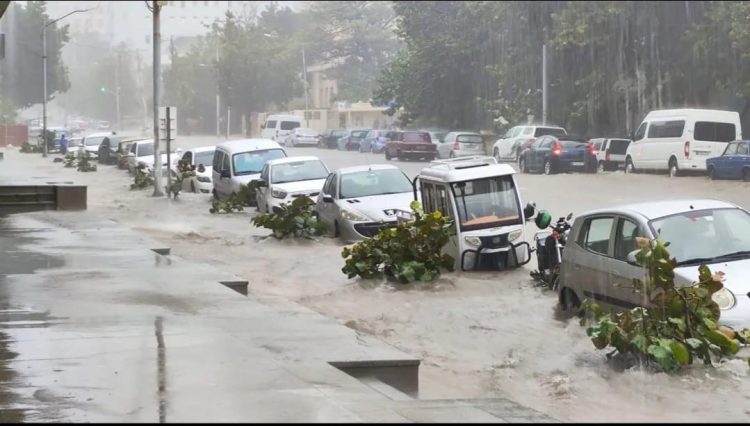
(478, 334)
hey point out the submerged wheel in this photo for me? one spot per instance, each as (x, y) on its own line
(547, 167)
(674, 171)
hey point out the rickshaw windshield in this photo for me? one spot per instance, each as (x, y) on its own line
(487, 203)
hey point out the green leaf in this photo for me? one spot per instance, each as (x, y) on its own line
(680, 353)
(694, 343)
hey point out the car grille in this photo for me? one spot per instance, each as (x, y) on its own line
(311, 195)
(494, 241)
(370, 229)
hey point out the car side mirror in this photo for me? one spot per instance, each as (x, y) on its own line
(262, 184)
(529, 211)
(327, 198)
(631, 258)
(225, 174)
(131, 155)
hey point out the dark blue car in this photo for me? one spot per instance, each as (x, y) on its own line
(734, 163)
(550, 154)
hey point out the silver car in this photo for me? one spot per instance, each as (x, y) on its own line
(357, 202)
(599, 258)
(460, 144)
(303, 136)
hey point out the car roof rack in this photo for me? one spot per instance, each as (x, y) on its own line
(459, 163)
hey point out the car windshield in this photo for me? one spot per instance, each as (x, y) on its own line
(359, 133)
(298, 171)
(487, 203)
(92, 141)
(705, 236)
(206, 158)
(252, 162)
(374, 182)
(416, 137)
(145, 149)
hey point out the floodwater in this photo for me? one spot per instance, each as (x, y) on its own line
(479, 334)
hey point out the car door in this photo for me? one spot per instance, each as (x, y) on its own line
(539, 151)
(635, 150)
(742, 159)
(724, 165)
(325, 209)
(221, 164)
(591, 260)
(621, 272)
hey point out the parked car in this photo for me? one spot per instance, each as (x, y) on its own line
(518, 138)
(278, 126)
(734, 163)
(239, 162)
(286, 179)
(375, 141)
(90, 143)
(461, 144)
(551, 155)
(203, 159)
(107, 153)
(610, 153)
(599, 261)
(351, 140)
(142, 152)
(357, 202)
(409, 144)
(437, 136)
(302, 136)
(123, 148)
(330, 138)
(681, 139)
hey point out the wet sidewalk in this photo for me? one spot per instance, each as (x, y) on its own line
(95, 325)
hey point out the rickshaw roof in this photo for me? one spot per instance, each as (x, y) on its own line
(465, 169)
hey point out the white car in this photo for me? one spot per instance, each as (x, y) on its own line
(90, 143)
(142, 152)
(515, 140)
(239, 162)
(203, 159)
(286, 179)
(303, 136)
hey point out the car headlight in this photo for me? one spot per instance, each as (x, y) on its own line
(724, 298)
(473, 241)
(205, 179)
(277, 193)
(352, 216)
(514, 235)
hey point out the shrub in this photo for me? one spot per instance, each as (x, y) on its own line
(30, 149)
(70, 160)
(185, 171)
(85, 164)
(678, 326)
(295, 220)
(142, 179)
(412, 251)
(237, 201)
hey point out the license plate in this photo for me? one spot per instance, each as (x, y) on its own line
(702, 152)
(577, 163)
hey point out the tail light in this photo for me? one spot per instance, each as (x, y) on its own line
(606, 156)
(456, 145)
(686, 149)
(592, 149)
(557, 149)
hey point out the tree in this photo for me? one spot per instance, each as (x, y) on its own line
(23, 80)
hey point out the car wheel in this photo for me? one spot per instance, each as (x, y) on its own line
(452, 155)
(602, 166)
(629, 167)
(674, 171)
(400, 158)
(547, 167)
(387, 155)
(712, 173)
(569, 302)
(522, 165)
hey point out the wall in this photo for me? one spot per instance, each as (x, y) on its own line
(15, 135)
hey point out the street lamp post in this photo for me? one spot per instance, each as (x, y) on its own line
(44, 73)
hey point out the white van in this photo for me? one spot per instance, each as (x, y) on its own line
(238, 162)
(278, 127)
(681, 139)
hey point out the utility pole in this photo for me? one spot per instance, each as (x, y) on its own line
(44, 98)
(218, 108)
(229, 116)
(157, 74)
(117, 90)
(304, 73)
(544, 84)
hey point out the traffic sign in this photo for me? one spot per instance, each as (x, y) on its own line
(163, 123)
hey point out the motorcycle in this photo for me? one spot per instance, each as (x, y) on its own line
(550, 244)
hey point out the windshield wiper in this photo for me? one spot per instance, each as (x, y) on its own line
(729, 256)
(392, 192)
(248, 172)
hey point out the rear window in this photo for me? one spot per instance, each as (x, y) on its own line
(289, 125)
(551, 131)
(618, 146)
(416, 137)
(666, 129)
(469, 139)
(571, 144)
(714, 132)
(359, 133)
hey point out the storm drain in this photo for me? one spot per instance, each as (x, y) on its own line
(238, 286)
(401, 375)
